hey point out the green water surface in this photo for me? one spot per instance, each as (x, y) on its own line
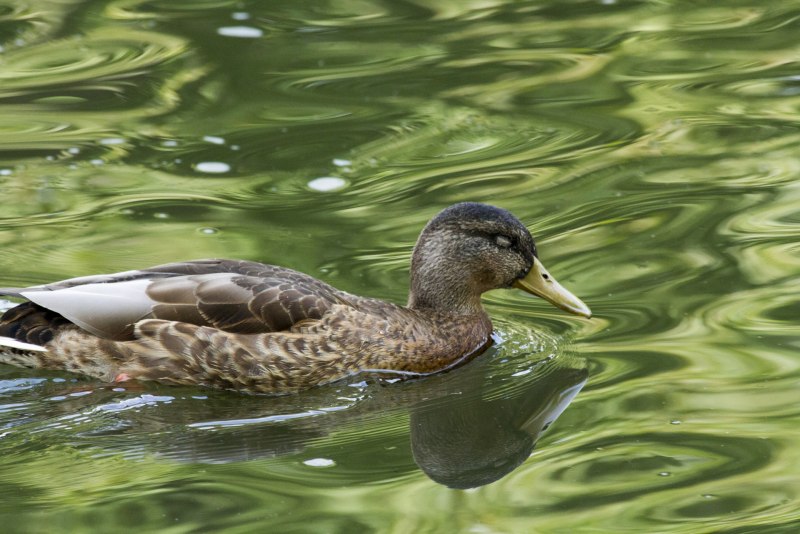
(653, 147)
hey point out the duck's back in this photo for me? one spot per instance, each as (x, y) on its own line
(232, 296)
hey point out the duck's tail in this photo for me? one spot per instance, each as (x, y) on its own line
(30, 323)
(19, 354)
(11, 343)
(24, 331)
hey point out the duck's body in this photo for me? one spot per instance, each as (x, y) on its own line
(231, 324)
(254, 327)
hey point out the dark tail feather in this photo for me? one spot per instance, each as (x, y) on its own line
(30, 323)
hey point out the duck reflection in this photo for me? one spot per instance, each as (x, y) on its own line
(468, 427)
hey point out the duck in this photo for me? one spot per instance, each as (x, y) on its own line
(253, 327)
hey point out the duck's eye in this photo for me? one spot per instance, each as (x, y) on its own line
(503, 241)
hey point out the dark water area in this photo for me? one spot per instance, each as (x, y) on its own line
(653, 149)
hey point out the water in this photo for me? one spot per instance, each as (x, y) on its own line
(651, 146)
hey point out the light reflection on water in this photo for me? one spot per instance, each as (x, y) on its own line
(652, 148)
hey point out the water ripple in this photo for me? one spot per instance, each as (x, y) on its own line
(650, 147)
(101, 55)
(54, 92)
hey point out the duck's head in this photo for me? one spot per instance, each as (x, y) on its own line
(470, 248)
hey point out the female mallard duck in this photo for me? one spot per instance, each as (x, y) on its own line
(255, 327)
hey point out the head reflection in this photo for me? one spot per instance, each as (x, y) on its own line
(465, 443)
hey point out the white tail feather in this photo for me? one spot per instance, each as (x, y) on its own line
(14, 344)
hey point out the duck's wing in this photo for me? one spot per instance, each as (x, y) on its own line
(234, 296)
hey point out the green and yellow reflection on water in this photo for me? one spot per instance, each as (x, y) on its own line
(652, 148)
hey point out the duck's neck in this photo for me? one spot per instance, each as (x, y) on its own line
(438, 285)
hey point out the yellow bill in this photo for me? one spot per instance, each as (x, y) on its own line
(541, 283)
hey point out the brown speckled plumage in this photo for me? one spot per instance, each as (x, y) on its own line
(253, 327)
